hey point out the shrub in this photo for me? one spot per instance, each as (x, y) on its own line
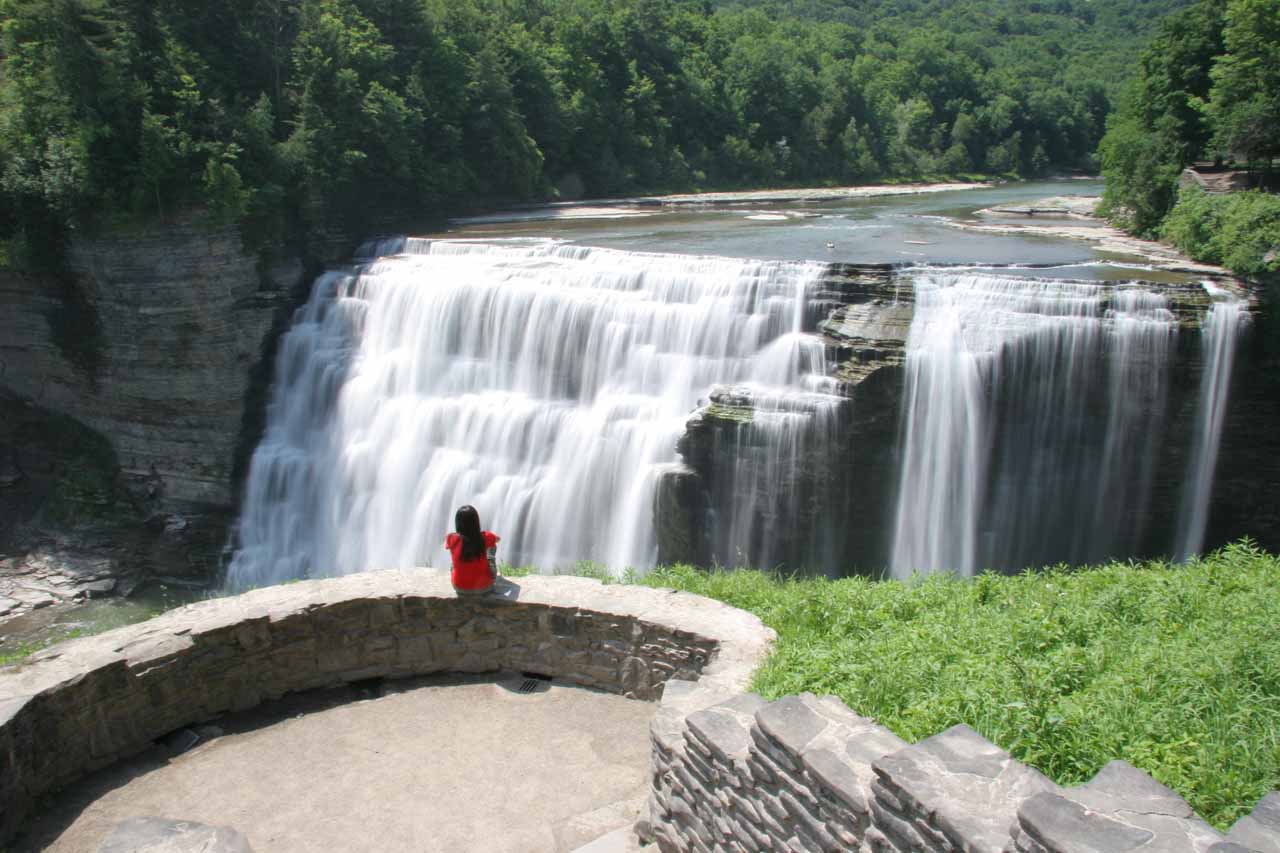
(1236, 230)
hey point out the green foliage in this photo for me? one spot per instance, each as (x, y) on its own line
(85, 619)
(1245, 102)
(22, 651)
(1160, 126)
(1236, 230)
(1175, 669)
(1142, 172)
(1208, 84)
(1193, 225)
(302, 114)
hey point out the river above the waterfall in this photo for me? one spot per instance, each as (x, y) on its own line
(896, 225)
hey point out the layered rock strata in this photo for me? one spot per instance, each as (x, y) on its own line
(863, 313)
(150, 341)
(46, 577)
(1245, 500)
(844, 495)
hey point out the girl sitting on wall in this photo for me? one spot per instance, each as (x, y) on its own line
(472, 550)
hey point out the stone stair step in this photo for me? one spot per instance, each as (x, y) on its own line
(1120, 809)
(953, 791)
(1260, 830)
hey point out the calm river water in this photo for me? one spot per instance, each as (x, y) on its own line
(904, 229)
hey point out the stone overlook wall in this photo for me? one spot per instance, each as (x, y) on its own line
(807, 774)
(84, 704)
(731, 772)
(151, 342)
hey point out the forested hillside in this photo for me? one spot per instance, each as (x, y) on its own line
(1207, 88)
(1076, 39)
(303, 115)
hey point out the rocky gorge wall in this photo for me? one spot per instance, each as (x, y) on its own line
(151, 341)
(156, 344)
(1245, 498)
(844, 490)
(864, 314)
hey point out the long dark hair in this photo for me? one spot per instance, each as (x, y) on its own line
(467, 522)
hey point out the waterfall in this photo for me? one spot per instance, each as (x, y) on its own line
(1220, 331)
(766, 510)
(544, 383)
(1031, 415)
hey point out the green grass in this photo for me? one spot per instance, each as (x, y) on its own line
(26, 650)
(94, 617)
(1175, 669)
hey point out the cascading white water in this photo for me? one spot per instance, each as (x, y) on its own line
(1220, 333)
(542, 382)
(764, 507)
(1016, 449)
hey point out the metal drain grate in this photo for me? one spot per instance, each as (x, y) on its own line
(534, 682)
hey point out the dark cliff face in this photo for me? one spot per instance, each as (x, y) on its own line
(150, 342)
(840, 520)
(1246, 493)
(828, 507)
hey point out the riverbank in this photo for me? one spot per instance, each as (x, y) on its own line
(1073, 218)
(61, 581)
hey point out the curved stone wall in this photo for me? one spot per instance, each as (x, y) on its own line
(84, 704)
(730, 771)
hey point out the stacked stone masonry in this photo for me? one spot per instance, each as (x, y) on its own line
(805, 773)
(87, 703)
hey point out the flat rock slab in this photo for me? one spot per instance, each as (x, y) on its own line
(449, 763)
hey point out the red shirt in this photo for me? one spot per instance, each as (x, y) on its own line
(473, 573)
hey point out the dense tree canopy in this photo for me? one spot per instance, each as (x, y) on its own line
(303, 115)
(1245, 99)
(1208, 86)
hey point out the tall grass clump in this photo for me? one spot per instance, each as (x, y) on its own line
(1173, 668)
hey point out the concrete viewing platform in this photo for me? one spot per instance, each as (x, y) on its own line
(452, 764)
(441, 763)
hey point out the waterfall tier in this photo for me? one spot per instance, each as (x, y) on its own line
(1033, 410)
(622, 408)
(545, 383)
(1222, 328)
